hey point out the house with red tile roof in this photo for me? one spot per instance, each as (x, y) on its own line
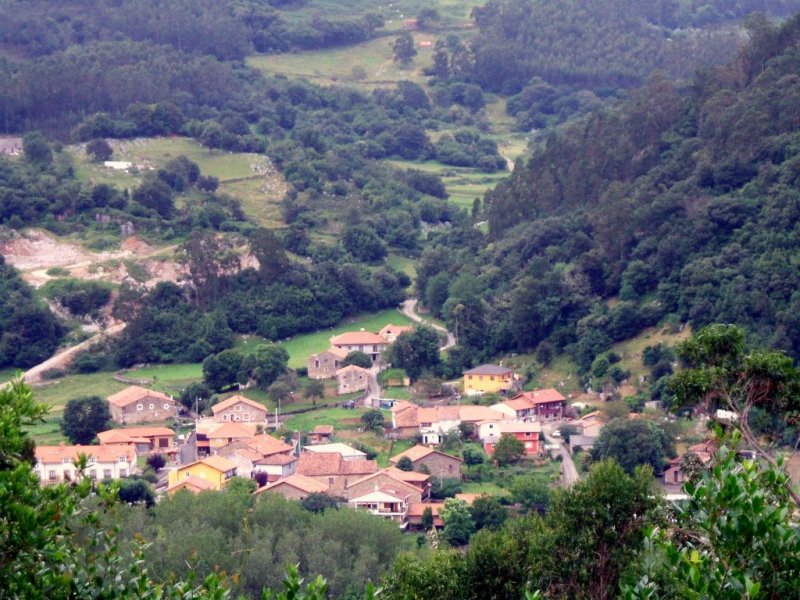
(217, 470)
(238, 408)
(261, 453)
(136, 404)
(529, 433)
(295, 487)
(437, 463)
(330, 469)
(391, 479)
(386, 503)
(157, 440)
(192, 484)
(417, 509)
(405, 421)
(55, 464)
(367, 342)
(541, 405)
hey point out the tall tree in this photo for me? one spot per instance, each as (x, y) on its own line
(415, 351)
(84, 418)
(403, 48)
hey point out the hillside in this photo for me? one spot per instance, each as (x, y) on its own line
(678, 205)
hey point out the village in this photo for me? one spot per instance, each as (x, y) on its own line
(543, 431)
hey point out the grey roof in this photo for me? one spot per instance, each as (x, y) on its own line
(488, 370)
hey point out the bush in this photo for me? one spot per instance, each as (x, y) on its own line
(156, 462)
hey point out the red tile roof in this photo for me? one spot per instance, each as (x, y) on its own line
(397, 475)
(135, 393)
(437, 413)
(231, 430)
(352, 369)
(191, 483)
(57, 454)
(233, 400)
(541, 396)
(354, 338)
(418, 452)
(297, 481)
(277, 460)
(265, 445)
(133, 434)
(330, 463)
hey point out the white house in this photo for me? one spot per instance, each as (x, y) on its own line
(55, 464)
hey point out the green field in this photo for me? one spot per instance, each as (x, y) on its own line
(249, 177)
(302, 346)
(403, 264)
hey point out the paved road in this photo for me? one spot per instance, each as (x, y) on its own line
(409, 309)
(64, 357)
(569, 474)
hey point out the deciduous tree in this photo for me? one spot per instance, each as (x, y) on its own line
(84, 418)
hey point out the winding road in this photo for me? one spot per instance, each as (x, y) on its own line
(409, 309)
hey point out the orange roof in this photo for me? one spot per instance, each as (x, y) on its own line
(418, 452)
(408, 476)
(265, 445)
(191, 483)
(135, 393)
(395, 330)
(232, 430)
(469, 498)
(474, 414)
(518, 403)
(352, 369)
(101, 454)
(407, 415)
(437, 413)
(277, 459)
(298, 481)
(133, 434)
(215, 461)
(331, 463)
(395, 474)
(337, 352)
(354, 338)
(233, 400)
(541, 396)
(249, 454)
(402, 405)
(416, 509)
(323, 430)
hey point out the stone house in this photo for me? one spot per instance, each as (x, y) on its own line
(136, 404)
(295, 487)
(325, 364)
(239, 408)
(437, 463)
(352, 379)
(331, 470)
(388, 480)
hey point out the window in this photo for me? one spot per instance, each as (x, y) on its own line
(123, 459)
(92, 460)
(449, 468)
(316, 364)
(166, 406)
(246, 416)
(238, 407)
(330, 480)
(52, 475)
(65, 460)
(152, 406)
(140, 407)
(106, 473)
(93, 474)
(123, 473)
(163, 442)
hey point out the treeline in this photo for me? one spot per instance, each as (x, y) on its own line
(29, 333)
(680, 203)
(226, 30)
(171, 323)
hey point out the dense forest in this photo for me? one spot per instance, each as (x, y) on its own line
(677, 205)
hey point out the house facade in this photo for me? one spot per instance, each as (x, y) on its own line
(325, 364)
(367, 342)
(530, 434)
(55, 464)
(322, 434)
(216, 470)
(383, 503)
(387, 480)
(136, 404)
(545, 405)
(352, 379)
(437, 422)
(239, 409)
(488, 379)
(405, 421)
(148, 440)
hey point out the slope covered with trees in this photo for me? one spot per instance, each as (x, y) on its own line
(680, 203)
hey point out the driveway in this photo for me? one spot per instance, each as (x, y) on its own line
(569, 474)
(409, 309)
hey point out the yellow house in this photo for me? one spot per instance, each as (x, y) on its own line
(488, 379)
(216, 470)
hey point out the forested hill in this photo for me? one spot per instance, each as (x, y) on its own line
(679, 205)
(602, 44)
